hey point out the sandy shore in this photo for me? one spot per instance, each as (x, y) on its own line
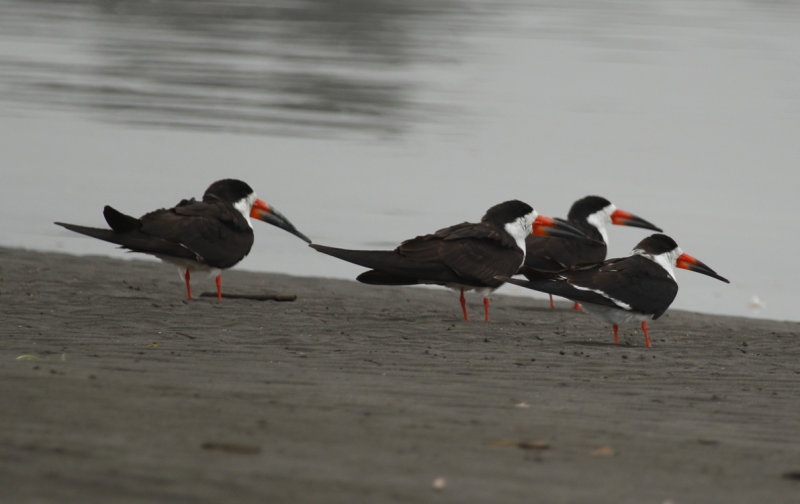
(116, 389)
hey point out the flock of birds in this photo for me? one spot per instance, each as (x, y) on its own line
(563, 257)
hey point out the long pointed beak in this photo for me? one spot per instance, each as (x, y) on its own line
(685, 261)
(623, 218)
(266, 213)
(548, 226)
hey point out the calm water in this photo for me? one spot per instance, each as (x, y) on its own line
(367, 122)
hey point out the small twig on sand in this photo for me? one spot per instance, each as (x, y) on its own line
(254, 297)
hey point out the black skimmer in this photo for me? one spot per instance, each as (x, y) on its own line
(465, 256)
(591, 215)
(208, 235)
(638, 287)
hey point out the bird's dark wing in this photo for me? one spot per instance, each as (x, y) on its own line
(459, 254)
(548, 253)
(559, 286)
(216, 234)
(214, 210)
(465, 256)
(469, 230)
(610, 282)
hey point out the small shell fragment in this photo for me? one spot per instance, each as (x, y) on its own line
(603, 451)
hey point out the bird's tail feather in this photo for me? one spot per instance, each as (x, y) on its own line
(120, 222)
(136, 241)
(386, 268)
(366, 258)
(101, 234)
(377, 277)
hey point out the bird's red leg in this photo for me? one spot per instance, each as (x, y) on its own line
(219, 287)
(616, 334)
(486, 307)
(464, 305)
(552, 304)
(577, 306)
(188, 289)
(646, 337)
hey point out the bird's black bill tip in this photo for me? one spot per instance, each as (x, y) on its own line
(274, 217)
(687, 262)
(300, 235)
(712, 274)
(623, 218)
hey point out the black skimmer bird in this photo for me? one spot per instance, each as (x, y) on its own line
(465, 256)
(638, 287)
(591, 215)
(208, 235)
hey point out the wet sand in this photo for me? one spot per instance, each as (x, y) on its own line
(114, 388)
